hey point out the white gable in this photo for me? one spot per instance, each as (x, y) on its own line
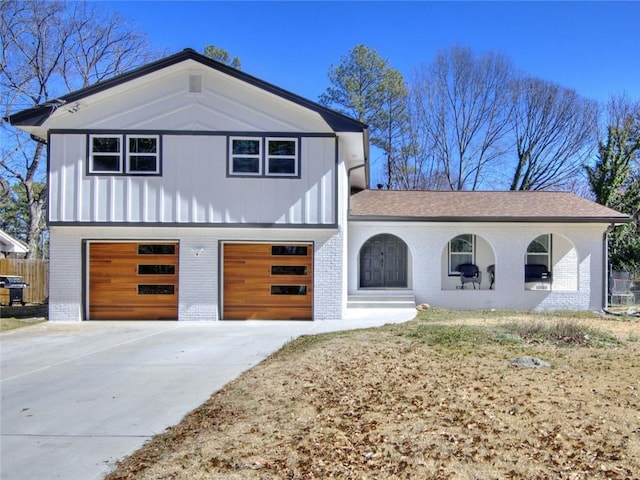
(162, 100)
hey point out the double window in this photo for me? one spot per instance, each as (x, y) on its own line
(257, 156)
(124, 154)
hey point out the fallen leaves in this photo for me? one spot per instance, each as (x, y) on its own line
(371, 406)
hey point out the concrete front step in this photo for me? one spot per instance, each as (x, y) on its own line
(381, 301)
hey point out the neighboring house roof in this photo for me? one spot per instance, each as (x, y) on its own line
(479, 206)
(8, 244)
(36, 116)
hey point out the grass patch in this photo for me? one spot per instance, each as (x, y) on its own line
(13, 323)
(565, 333)
(448, 335)
(440, 315)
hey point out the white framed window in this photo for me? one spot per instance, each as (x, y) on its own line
(143, 154)
(461, 251)
(124, 154)
(105, 154)
(282, 157)
(245, 156)
(539, 251)
(264, 156)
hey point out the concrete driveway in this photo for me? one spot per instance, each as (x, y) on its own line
(75, 397)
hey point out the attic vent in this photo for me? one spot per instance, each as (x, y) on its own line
(195, 83)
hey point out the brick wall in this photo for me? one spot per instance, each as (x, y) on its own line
(199, 289)
(579, 264)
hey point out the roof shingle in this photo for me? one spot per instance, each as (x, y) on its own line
(479, 206)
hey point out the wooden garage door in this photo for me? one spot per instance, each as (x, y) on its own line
(268, 281)
(133, 281)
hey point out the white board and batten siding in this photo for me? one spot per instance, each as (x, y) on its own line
(194, 187)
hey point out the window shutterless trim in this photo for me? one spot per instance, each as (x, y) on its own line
(128, 154)
(231, 156)
(548, 253)
(263, 156)
(124, 154)
(91, 154)
(269, 157)
(449, 252)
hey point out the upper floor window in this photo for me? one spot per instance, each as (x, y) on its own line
(246, 156)
(142, 154)
(461, 251)
(106, 154)
(124, 154)
(282, 156)
(254, 156)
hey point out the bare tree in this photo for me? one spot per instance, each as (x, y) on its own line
(47, 49)
(415, 165)
(553, 129)
(463, 108)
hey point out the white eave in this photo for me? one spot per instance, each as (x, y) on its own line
(8, 244)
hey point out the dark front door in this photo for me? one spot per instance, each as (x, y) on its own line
(383, 262)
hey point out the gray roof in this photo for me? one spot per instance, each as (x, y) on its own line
(479, 206)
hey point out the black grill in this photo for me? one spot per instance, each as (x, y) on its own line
(16, 287)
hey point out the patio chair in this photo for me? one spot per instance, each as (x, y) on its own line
(621, 288)
(537, 273)
(470, 273)
(491, 270)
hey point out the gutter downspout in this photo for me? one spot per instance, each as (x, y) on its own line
(365, 164)
(605, 269)
(366, 149)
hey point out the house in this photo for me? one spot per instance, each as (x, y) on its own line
(189, 190)
(533, 250)
(10, 246)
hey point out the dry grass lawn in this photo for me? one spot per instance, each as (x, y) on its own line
(13, 323)
(435, 398)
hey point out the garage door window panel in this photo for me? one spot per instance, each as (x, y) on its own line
(156, 269)
(157, 249)
(288, 289)
(289, 250)
(288, 270)
(156, 290)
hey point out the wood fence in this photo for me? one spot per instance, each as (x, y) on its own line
(33, 271)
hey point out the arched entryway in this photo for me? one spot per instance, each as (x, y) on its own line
(383, 262)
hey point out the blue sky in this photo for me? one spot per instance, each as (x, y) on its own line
(592, 47)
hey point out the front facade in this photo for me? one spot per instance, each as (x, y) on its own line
(189, 190)
(528, 250)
